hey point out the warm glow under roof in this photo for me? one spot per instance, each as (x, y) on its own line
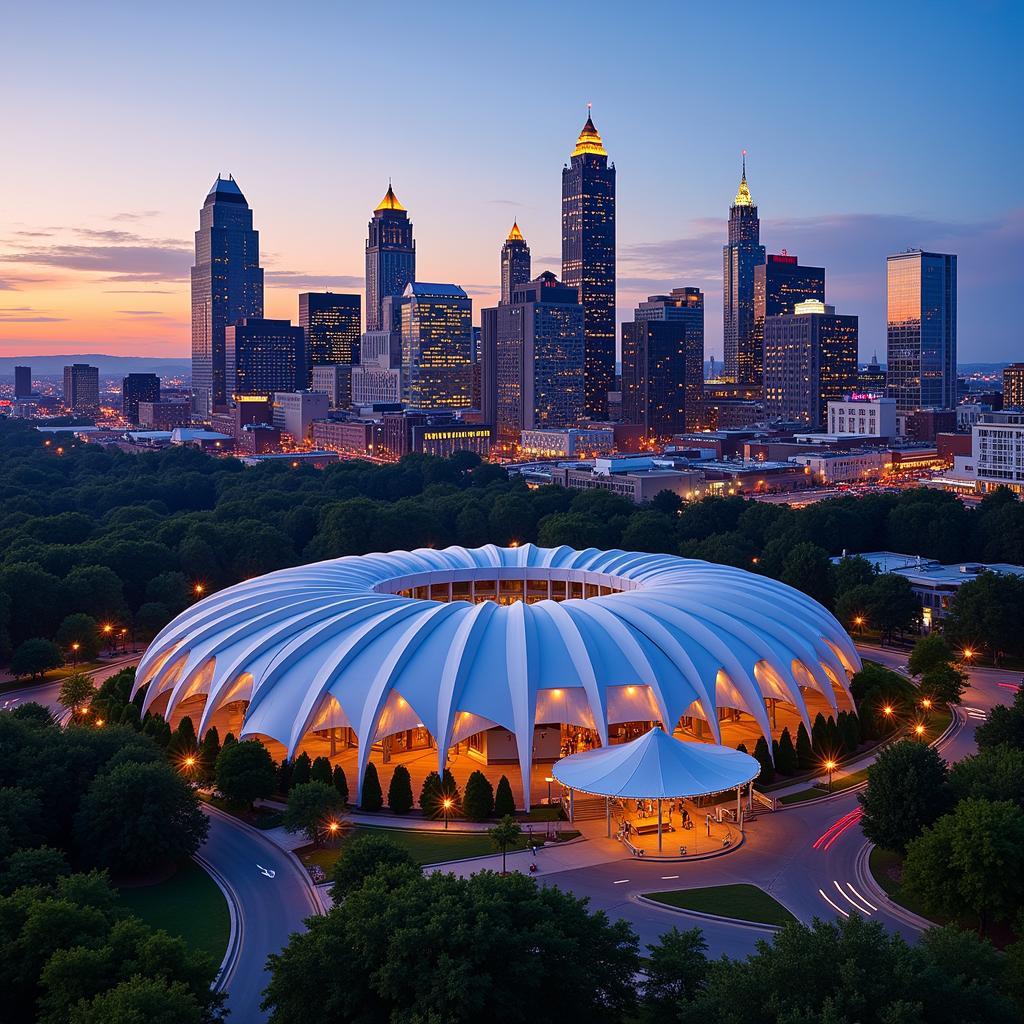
(515, 235)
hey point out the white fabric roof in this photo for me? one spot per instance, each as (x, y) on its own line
(656, 766)
(333, 644)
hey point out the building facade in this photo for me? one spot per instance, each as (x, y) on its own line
(135, 388)
(515, 262)
(571, 443)
(437, 344)
(810, 359)
(332, 324)
(1013, 386)
(295, 411)
(588, 259)
(999, 450)
(335, 381)
(663, 363)
(263, 356)
(740, 257)
(872, 378)
(390, 256)
(780, 283)
(539, 358)
(164, 415)
(862, 414)
(921, 289)
(227, 286)
(22, 382)
(82, 389)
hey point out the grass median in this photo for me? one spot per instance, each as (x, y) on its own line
(189, 904)
(741, 902)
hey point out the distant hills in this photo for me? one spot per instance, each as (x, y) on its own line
(109, 366)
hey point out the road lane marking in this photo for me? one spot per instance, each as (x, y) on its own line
(266, 872)
(821, 892)
(665, 878)
(621, 881)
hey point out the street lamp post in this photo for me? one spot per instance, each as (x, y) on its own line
(549, 780)
(74, 655)
(830, 767)
(446, 803)
(859, 623)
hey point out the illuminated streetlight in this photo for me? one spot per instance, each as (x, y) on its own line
(74, 654)
(926, 703)
(198, 589)
(99, 721)
(830, 767)
(919, 729)
(549, 780)
(446, 803)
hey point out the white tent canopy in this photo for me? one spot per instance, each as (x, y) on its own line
(655, 767)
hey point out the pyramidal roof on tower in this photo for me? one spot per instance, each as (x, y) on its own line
(225, 188)
(389, 202)
(589, 142)
(515, 235)
(743, 197)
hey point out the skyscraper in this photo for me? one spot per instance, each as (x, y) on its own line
(588, 259)
(227, 286)
(779, 284)
(82, 388)
(332, 324)
(390, 256)
(663, 363)
(539, 357)
(515, 262)
(437, 346)
(739, 258)
(810, 359)
(135, 388)
(922, 330)
(263, 356)
(23, 382)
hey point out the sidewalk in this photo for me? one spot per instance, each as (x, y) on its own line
(549, 859)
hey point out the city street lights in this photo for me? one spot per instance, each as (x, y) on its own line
(859, 623)
(74, 654)
(549, 780)
(919, 730)
(446, 803)
(830, 767)
(198, 590)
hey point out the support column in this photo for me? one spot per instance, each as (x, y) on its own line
(572, 805)
(608, 814)
(659, 824)
(334, 741)
(739, 806)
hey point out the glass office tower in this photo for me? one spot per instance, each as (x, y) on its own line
(390, 257)
(922, 330)
(437, 346)
(332, 325)
(588, 259)
(227, 286)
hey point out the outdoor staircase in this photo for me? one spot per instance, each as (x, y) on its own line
(587, 808)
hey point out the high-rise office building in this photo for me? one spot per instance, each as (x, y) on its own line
(1013, 386)
(921, 360)
(135, 388)
(82, 388)
(332, 324)
(390, 256)
(539, 353)
(227, 286)
(871, 378)
(588, 259)
(515, 262)
(22, 382)
(437, 346)
(740, 257)
(779, 284)
(663, 363)
(810, 359)
(263, 356)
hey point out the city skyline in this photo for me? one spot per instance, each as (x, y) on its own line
(101, 263)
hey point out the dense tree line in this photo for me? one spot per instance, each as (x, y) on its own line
(104, 537)
(398, 946)
(78, 805)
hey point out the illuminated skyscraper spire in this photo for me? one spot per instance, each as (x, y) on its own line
(743, 192)
(515, 262)
(390, 257)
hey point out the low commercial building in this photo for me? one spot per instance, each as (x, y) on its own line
(335, 381)
(316, 459)
(354, 439)
(934, 584)
(843, 467)
(998, 448)
(204, 440)
(295, 411)
(863, 414)
(258, 439)
(164, 415)
(567, 444)
(638, 479)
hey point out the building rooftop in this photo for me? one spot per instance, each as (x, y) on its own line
(225, 189)
(589, 141)
(426, 288)
(918, 569)
(389, 202)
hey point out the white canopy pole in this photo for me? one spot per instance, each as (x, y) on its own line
(659, 824)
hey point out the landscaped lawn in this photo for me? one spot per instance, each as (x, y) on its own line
(187, 904)
(425, 847)
(742, 902)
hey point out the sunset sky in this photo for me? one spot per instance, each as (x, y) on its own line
(871, 128)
